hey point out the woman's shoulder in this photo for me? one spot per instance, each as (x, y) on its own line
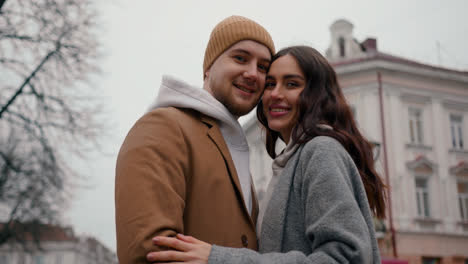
(323, 144)
(325, 151)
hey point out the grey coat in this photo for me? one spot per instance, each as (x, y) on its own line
(318, 213)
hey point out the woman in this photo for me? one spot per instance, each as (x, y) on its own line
(324, 183)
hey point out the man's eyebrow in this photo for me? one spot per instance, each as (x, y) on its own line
(248, 53)
(241, 51)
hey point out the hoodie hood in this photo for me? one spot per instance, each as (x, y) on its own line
(177, 93)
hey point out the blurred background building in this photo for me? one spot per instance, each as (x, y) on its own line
(416, 115)
(55, 245)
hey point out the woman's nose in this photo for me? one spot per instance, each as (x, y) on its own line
(276, 92)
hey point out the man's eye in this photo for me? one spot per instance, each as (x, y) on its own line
(239, 58)
(263, 68)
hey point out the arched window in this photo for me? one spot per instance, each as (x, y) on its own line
(341, 44)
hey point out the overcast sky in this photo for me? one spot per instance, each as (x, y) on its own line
(144, 39)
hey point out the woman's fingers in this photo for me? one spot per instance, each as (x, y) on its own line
(166, 256)
(171, 242)
(183, 249)
(188, 239)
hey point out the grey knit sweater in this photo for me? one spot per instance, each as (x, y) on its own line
(318, 214)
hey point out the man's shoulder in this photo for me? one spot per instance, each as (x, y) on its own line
(171, 113)
(161, 125)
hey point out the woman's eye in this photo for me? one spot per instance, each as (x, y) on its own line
(269, 85)
(292, 84)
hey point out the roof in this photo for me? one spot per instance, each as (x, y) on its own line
(393, 261)
(377, 55)
(45, 232)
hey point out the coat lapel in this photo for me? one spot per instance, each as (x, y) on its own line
(215, 135)
(271, 235)
(254, 203)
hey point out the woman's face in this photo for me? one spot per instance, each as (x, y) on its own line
(284, 84)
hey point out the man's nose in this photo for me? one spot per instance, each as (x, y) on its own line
(251, 72)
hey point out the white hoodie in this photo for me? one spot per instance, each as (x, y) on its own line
(176, 93)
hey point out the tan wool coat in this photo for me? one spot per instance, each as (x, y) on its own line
(174, 174)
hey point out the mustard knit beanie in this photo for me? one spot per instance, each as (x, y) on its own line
(230, 31)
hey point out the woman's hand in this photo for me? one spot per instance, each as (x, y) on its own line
(187, 249)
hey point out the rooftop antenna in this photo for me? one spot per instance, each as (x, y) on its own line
(439, 58)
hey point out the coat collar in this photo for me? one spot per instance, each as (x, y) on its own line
(271, 233)
(215, 135)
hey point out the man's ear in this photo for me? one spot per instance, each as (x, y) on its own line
(207, 73)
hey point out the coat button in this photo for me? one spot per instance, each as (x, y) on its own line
(245, 241)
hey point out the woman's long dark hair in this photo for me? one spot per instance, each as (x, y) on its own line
(322, 102)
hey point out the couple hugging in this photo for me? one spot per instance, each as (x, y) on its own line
(183, 189)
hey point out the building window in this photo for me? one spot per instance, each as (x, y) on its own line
(426, 260)
(415, 125)
(353, 112)
(341, 44)
(422, 197)
(462, 187)
(59, 258)
(3, 259)
(39, 259)
(456, 131)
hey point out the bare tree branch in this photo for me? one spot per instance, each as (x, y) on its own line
(26, 81)
(48, 108)
(2, 2)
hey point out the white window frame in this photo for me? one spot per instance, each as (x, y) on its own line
(423, 203)
(456, 131)
(415, 125)
(463, 201)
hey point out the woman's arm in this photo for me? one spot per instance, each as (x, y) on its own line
(193, 251)
(337, 217)
(334, 206)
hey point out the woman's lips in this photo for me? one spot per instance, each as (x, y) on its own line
(278, 110)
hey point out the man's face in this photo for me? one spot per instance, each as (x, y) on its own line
(237, 76)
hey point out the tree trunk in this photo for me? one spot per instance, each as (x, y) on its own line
(1, 4)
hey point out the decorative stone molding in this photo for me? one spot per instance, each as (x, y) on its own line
(418, 146)
(461, 169)
(421, 165)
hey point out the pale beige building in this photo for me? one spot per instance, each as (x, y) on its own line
(418, 116)
(58, 245)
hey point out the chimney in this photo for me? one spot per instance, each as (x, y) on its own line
(369, 45)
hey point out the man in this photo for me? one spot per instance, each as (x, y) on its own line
(184, 166)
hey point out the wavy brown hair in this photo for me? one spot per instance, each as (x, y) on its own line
(323, 102)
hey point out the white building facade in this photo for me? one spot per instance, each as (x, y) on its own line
(418, 114)
(57, 246)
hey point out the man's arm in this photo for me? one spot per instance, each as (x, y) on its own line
(149, 185)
